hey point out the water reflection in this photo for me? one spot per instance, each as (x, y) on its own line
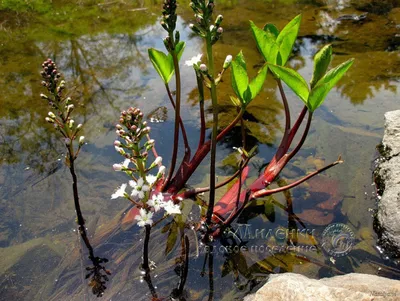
(103, 50)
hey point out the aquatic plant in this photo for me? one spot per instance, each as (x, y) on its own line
(60, 117)
(151, 187)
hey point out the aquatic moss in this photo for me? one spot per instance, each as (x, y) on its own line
(38, 6)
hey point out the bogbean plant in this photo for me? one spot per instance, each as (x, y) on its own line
(60, 117)
(151, 187)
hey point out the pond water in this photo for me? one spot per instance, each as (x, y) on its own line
(101, 48)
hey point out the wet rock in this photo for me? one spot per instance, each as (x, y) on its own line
(360, 287)
(387, 178)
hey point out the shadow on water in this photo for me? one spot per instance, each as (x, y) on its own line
(102, 49)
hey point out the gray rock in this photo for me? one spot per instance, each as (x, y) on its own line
(391, 138)
(387, 176)
(357, 287)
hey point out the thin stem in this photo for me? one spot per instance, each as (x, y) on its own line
(286, 106)
(211, 273)
(296, 126)
(223, 183)
(303, 138)
(153, 148)
(177, 118)
(213, 153)
(266, 192)
(185, 139)
(243, 131)
(200, 87)
(145, 264)
(231, 125)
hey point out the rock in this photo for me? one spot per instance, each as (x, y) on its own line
(357, 287)
(387, 179)
(391, 138)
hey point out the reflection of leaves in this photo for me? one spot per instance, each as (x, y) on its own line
(269, 209)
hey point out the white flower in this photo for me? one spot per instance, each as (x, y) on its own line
(139, 188)
(151, 179)
(119, 193)
(171, 208)
(122, 166)
(194, 60)
(157, 201)
(144, 218)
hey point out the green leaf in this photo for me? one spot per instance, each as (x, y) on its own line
(265, 43)
(172, 237)
(179, 48)
(294, 80)
(321, 62)
(240, 80)
(271, 28)
(164, 64)
(287, 37)
(326, 83)
(257, 83)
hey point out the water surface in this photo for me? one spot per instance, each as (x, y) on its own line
(102, 51)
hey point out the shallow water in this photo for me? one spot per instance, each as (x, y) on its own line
(102, 51)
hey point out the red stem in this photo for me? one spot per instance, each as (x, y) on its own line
(185, 139)
(187, 169)
(266, 192)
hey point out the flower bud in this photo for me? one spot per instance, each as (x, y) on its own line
(158, 160)
(81, 140)
(51, 114)
(49, 120)
(218, 20)
(228, 61)
(70, 108)
(220, 30)
(67, 141)
(43, 96)
(117, 167)
(161, 171)
(120, 150)
(71, 123)
(117, 143)
(203, 68)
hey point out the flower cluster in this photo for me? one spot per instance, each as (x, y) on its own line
(62, 107)
(168, 22)
(144, 190)
(203, 12)
(169, 15)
